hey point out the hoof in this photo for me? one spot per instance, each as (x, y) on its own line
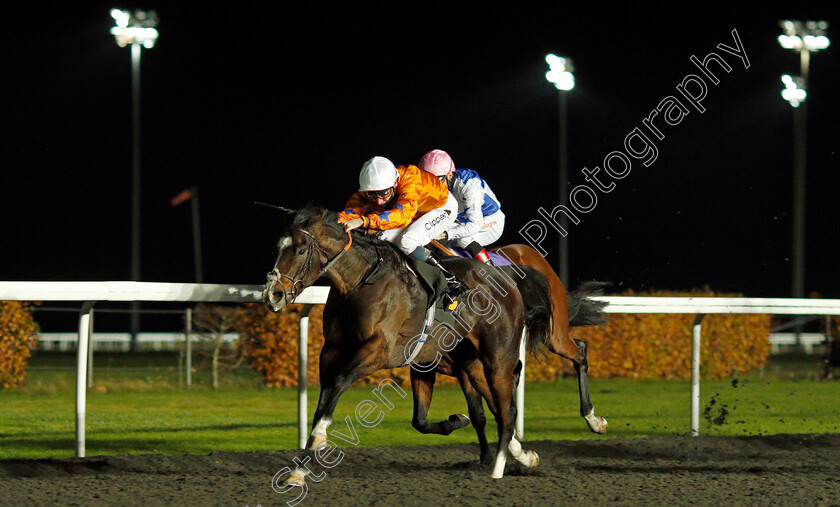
(535, 460)
(458, 421)
(596, 424)
(296, 478)
(603, 428)
(317, 441)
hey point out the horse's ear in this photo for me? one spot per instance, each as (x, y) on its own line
(281, 208)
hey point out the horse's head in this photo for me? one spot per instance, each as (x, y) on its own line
(302, 254)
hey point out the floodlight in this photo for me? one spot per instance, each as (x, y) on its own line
(560, 72)
(794, 91)
(135, 28)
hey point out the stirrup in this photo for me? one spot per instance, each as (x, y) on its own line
(455, 291)
(449, 304)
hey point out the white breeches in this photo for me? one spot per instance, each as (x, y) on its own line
(490, 231)
(425, 228)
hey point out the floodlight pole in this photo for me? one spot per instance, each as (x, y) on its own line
(564, 187)
(560, 75)
(804, 38)
(799, 167)
(135, 186)
(135, 28)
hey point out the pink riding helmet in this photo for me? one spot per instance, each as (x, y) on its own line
(437, 162)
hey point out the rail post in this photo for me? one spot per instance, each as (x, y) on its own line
(81, 375)
(303, 364)
(695, 375)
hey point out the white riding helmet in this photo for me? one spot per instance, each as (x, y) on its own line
(377, 173)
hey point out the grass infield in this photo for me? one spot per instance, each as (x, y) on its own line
(137, 406)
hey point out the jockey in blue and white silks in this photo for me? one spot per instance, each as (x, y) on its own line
(480, 219)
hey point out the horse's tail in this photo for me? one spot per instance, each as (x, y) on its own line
(584, 311)
(536, 297)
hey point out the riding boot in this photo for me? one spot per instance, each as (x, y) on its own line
(479, 253)
(484, 257)
(456, 288)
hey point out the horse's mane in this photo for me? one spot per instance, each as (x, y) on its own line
(371, 247)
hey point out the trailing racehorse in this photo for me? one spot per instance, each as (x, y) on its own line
(377, 307)
(576, 309)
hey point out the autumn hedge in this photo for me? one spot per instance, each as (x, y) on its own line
(629, 346)
(659, 345)
(18, 333)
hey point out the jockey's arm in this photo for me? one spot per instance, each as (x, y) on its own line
(473, 198)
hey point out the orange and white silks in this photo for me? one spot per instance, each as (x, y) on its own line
(418, 192)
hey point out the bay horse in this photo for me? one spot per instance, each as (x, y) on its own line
(376, 308)
(572, 310)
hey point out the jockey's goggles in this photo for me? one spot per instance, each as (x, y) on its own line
(378, 194)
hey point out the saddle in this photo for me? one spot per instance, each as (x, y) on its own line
(433, 281)
(435, 284)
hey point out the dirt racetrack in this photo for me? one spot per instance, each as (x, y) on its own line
(756, 470)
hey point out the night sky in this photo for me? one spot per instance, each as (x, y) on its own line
(282, 106)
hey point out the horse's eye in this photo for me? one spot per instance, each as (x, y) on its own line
(301, 251)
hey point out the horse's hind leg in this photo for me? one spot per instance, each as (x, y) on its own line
(476, 411)
(596, 424)
(501, 380)
(564, 345)
(423, 385)
(502, 390)
(528, 458)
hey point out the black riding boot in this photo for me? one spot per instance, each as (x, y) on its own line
(457, 288)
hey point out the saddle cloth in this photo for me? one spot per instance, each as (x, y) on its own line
(497, 259)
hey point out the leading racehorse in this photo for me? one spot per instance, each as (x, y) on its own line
(377, 307)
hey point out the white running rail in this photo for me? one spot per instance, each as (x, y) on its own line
(93, 292)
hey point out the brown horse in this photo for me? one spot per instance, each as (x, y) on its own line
(578, 309)
(377, 308)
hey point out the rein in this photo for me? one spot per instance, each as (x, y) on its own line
(298, 285)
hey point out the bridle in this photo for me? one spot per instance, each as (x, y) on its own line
(298, 285)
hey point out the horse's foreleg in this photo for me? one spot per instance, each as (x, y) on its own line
(476, 411)
(337, 374)
(596, 424)
(423, 386)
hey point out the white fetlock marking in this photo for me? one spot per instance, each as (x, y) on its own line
(515, 448)
(298, 477)
(596, 424)
(320, 428)
(319, 432)
(499, 467)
